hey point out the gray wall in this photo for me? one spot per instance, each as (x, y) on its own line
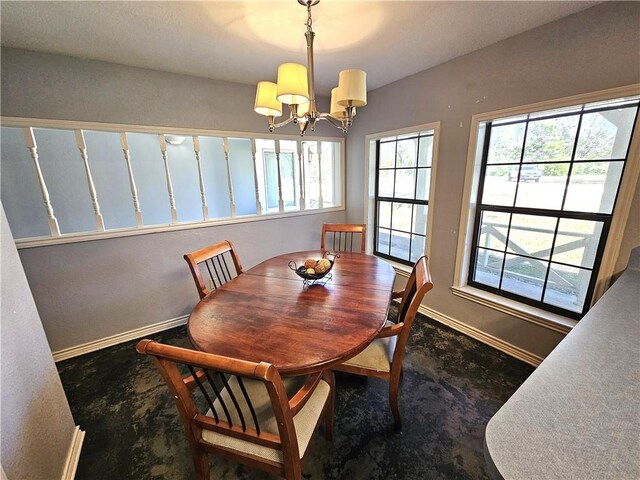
(36, 423)
(589, 51)
(91, 290)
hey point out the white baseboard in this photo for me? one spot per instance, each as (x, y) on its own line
(483, 337)
(118, 338)
(73, 457)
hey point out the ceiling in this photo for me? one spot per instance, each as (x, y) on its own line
(246, 41)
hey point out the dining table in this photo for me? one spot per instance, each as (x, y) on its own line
(269, 314)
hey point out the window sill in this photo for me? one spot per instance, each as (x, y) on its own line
(545, 319)
(129, 232)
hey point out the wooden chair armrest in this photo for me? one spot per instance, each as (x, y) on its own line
(300, 399)
(391, 330)
(190, 382)
(397, 294)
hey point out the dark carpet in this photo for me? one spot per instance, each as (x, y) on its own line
(452, 385)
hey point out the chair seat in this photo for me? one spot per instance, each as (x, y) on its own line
(304, 422)
(377, 356)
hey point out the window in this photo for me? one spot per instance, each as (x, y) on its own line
(547, 190)
(402, 188)
(74, 180)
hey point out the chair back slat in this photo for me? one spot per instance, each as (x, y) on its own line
(418, 285)
(214, 261)
(249, 404)
(229, 390)
(342, 237)
(204, 392)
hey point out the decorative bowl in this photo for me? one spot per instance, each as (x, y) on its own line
(301, 270)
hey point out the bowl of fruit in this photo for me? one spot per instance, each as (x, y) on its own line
(315, 269)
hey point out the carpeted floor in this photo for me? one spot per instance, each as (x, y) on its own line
(451, 387)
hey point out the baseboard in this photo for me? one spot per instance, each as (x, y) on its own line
(118, 338)
(73, 457)
(483, 337)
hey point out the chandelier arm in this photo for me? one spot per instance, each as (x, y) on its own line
(282, 124)
(336, 123)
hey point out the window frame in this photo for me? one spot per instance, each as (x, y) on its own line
(71, 125)
(609, 247)
(370, 188)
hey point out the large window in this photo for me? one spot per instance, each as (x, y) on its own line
(547, 192)
(402, 184)
(68, 180)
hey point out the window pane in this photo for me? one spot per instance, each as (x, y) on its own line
(405, 183)
(111, 179)
(425, 153)
(420, 219)
(531, 235)
(551, 140)
(498, 190)
(384, 214)
(328, 195)
(383, 240)
(66, 180)
(387, 155)
(424, 184)
(567, 287)
(593, 186)
(524, 276)
(242, 175)
(605, 135)
(401, 219)
(417, 247)
(545, 193)
(506, 143)
(385, 183)
(400, 245)
(214, 171)
(406, 154)
(184, 176)
(20, 189)
(493, 230)
(488, 267)
(577, 242)
(556, 111)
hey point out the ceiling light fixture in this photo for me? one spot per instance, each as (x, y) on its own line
(295, 88)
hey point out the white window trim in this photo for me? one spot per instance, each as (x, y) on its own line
(22, 122)
(370, 178)
(467, 214)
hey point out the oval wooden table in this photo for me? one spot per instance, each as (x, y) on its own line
(266, 314)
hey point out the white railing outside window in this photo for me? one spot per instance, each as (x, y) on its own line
(71, 181)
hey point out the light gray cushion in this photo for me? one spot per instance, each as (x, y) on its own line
(378, 355)
(304, 422)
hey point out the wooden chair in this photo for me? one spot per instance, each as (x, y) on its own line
(342, 234)
(383, 357)
(250, 418)
(212, 260)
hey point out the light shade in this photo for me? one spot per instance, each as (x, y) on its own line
(292, 84)
(266, 102)
(352, 88)
(337, 111)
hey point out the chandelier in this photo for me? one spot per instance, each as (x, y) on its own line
(295, 88)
